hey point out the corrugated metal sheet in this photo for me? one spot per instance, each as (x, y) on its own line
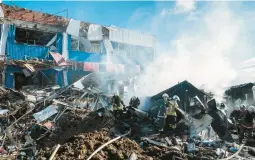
(18, 51)
(132, 54)
(131, 37)
(88, 57)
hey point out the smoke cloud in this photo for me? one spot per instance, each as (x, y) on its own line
(205, 51)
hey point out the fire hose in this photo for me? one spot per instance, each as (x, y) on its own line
(230, 157)
(109, 142)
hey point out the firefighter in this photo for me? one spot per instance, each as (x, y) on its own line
(243, 108)
(170, 112)
(246, 124)
(116, 104)
(134, 102)
(223, 108)
(237, 113)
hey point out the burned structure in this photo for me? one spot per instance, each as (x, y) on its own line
(45, 49)
(240, 94)
(187, 93)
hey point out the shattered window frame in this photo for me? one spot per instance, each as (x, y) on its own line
(38, 79)
(33, 37)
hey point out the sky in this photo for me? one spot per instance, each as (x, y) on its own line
(135, 15)
(202, 42)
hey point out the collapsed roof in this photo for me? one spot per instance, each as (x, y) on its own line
(16, 13)
(180, 89)
(239, 88)
(22, 17)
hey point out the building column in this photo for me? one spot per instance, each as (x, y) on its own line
(65, 54)
(109, 49)
(4, 35)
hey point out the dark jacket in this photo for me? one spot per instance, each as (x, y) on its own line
(237, 114)
(248, 118)
(134, 102)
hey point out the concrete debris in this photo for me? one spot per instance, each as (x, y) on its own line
(78, 123)
(22, 14)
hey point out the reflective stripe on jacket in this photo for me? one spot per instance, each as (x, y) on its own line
(115, 107)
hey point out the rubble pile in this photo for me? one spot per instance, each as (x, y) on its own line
(16, 13)
(83, 145)
(77, 123)
(36, 63)
(12, 103)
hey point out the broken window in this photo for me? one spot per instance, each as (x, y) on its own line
(96, 47)
(77, 45)
(32, 37)
(82, 44)
(74, 44)
(40, 80)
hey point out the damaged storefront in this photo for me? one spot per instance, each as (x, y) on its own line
(28, 60)
(79, 48)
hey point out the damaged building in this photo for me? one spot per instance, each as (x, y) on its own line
(187, 94)
(58, 76)
(240, 94)
(42, 49)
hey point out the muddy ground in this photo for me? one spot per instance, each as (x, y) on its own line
(81, 133)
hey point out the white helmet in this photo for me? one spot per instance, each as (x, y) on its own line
(237, 107)
(251, 109)
(175, 97)
(243, 106)
(165, 95)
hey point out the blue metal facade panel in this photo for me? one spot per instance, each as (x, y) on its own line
(86, 57)
(60, 78)
(59, 42)
(9, 81)
(19, 51)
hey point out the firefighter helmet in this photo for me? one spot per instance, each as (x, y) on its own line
(175, 97)
(237, 107)
(251, 109)
(165, 95)
(222, 106)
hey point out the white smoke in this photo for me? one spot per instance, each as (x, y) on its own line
(181, 6)
(204, 54)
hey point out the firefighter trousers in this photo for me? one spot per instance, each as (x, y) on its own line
(117, 113)
(170, 124)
